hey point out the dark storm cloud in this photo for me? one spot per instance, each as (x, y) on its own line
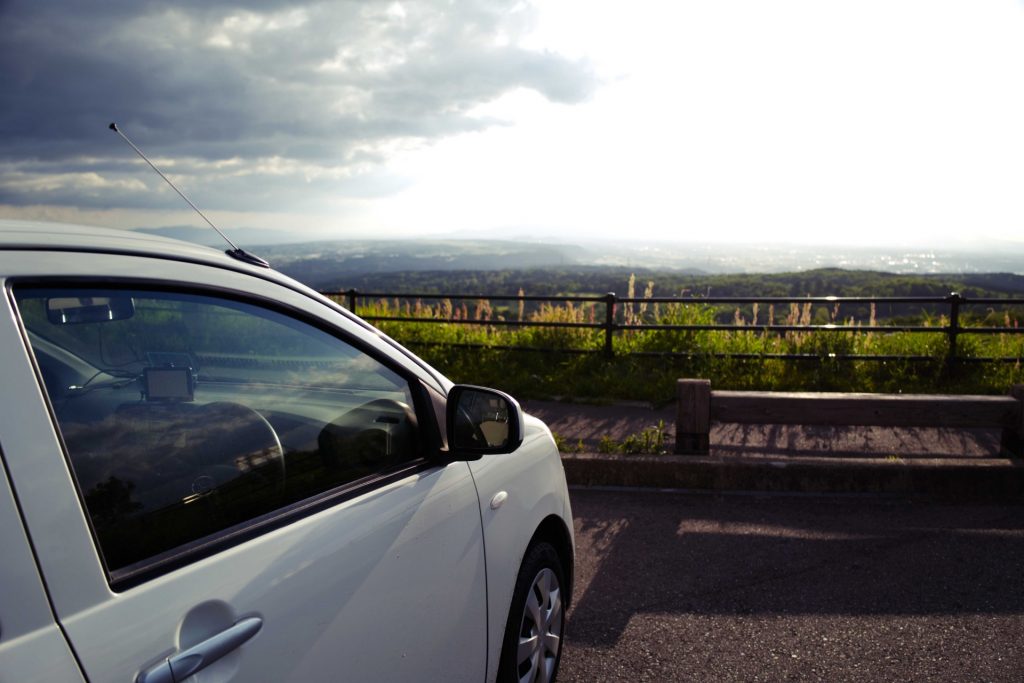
(319, 84)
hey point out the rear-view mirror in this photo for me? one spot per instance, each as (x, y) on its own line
(73, 310)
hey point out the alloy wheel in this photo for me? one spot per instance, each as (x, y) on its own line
(540, 632)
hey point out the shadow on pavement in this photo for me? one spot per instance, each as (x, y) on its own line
(641, 553)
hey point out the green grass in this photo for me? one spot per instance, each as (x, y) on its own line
(556, 372)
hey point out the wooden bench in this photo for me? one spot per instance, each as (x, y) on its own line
(698, 407)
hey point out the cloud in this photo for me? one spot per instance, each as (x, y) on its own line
(267, 101)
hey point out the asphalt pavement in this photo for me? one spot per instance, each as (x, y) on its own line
(674, 586)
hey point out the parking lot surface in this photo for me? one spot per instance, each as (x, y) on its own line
(675, 586)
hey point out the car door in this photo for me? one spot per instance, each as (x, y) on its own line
(227, 469)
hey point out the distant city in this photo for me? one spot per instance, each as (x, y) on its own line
(769, 258)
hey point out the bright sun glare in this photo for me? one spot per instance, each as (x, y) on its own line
(797, 120)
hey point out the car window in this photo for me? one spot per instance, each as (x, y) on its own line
(189, 417)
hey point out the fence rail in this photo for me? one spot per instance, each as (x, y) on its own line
(613, 320)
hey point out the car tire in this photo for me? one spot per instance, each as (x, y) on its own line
(532, 646)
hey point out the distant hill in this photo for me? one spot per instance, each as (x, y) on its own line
(330, 264)
(328, 261)
(503, 267)
(602, 279)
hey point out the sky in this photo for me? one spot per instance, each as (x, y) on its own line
(832, 122)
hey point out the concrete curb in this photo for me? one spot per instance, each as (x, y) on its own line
(946, 479)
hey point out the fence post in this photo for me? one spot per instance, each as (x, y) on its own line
(693, 417)
(955, 300)
(350, 295)
(1013, 437)
(609, 323)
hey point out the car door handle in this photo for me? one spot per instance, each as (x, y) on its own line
(178, 667)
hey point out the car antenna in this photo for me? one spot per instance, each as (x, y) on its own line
(233, 252)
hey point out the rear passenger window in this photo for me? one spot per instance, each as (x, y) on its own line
(187, 417)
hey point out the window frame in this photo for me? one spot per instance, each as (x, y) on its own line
(430, 439)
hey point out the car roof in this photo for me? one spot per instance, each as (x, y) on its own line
(23, 234)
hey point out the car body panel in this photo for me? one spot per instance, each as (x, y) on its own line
(536, 489)
(32, 647)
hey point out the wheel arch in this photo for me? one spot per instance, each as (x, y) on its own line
(553, 530)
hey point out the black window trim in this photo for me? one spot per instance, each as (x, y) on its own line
(431, 443)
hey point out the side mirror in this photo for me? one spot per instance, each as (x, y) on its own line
(482, 421)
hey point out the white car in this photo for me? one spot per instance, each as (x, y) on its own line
(213, 473)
